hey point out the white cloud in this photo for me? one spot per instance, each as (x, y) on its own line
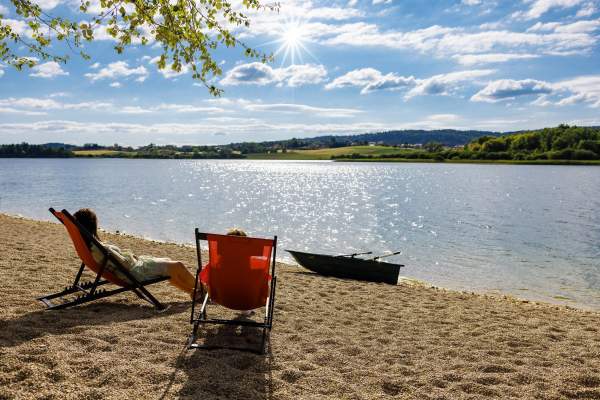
(31, 103)
(358, 77)
(18, 26)
(118, 69)
(305, 109)
(375, 2)
(332, 13)
(507, 89)
(586, 10)
(188, 108)
(10, 110)
(1, 71)
(584, 89)
(471, 2)
(47, 4)
(262, 74)
(490, 58)
(440, 41)
(371, 80)
(70, 131)
(115, 85)
(95, 65)
(587, 26)
(3, 10)
(446, 84)
(168, 72)
(445, 118)
(541, 7)
(48, 70)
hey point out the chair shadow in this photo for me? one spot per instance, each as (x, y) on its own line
(29, 326)
(223, 370)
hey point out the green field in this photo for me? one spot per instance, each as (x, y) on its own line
(326, 154)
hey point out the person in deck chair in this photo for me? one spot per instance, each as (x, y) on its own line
(141, 267)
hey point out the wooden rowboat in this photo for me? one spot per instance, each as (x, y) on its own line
(349, 267)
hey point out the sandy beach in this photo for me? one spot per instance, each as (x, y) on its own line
(332, 338)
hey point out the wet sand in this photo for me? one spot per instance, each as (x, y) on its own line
(332, 338)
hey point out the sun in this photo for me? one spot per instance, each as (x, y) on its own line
(292, 39)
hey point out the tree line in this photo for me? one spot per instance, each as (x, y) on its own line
(33, 150)
(560, 143)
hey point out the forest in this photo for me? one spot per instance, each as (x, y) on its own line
(560, 143)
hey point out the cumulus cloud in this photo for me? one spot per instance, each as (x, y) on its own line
(48, 70)
(446, 84)
(583, 89)
(371, 80)
(471, 2)
(262, 74)
(506, 89)
(3, 10)
(118, 69)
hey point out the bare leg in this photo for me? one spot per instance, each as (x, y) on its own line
(180, 277)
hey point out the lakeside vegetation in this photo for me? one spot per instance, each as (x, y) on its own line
(560, 145)
(548, 145)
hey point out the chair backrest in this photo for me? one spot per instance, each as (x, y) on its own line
(75, 233)
(237, 273)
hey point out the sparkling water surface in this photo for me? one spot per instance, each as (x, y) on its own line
(529, 231)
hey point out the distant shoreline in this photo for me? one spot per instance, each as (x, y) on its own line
(290, 157)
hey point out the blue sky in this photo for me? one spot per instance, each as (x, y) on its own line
(358, 66)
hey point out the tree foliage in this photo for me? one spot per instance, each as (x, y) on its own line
(188, 31)
(33, 150)
(561, 143)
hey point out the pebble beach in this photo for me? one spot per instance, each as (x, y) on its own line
(332, 338)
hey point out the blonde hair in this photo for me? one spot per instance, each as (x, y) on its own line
(236, 232)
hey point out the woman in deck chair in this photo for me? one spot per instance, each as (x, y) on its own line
(141, 267)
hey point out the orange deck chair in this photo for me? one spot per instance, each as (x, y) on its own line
(89, 291)
(237, 277)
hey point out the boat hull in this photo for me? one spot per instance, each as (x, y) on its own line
(349, 268)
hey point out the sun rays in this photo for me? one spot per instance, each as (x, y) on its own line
(292, 37)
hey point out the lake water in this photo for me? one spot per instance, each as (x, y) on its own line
(530, 231)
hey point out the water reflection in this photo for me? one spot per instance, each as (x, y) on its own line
(477, 227)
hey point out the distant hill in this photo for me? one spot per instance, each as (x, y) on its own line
(447, 137)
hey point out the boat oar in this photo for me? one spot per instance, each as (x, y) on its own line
(355, 254)
(386, 255)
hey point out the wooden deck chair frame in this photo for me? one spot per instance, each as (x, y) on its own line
(90, 290)
(201, 316)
